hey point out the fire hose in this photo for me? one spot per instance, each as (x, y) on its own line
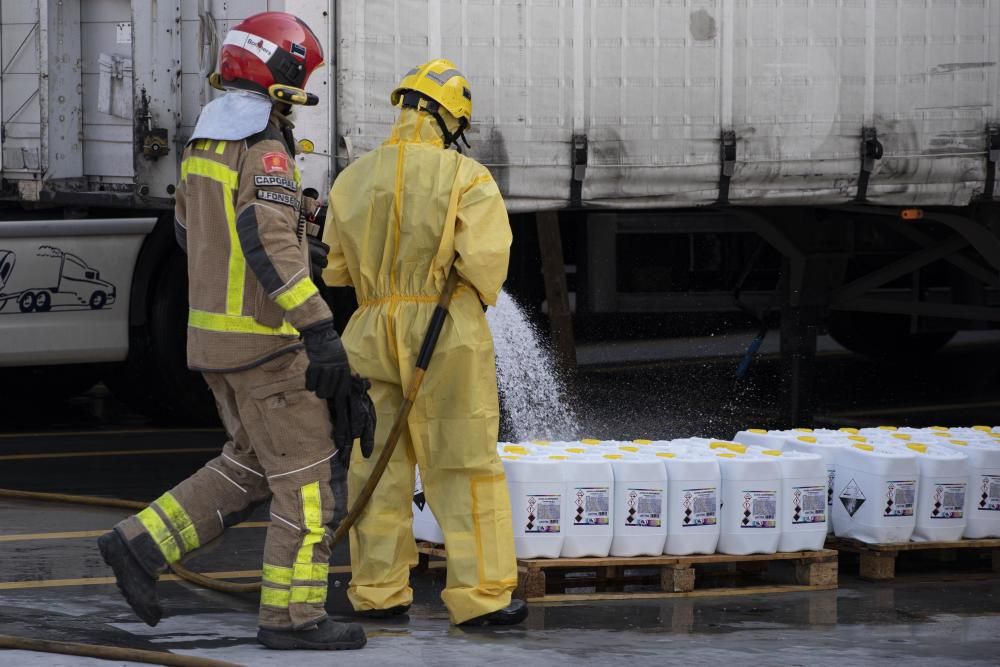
(110, 653)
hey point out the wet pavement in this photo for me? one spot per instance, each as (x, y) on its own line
(54, 585)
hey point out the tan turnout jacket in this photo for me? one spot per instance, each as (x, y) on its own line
(237, 217)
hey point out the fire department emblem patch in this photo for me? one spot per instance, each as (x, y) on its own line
(275, 162)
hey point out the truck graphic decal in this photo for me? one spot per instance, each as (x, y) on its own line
(70, 284)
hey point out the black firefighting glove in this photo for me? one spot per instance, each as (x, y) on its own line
(318, 254)
(328, 374)
(361, 425)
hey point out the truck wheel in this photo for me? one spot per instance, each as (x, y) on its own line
(884, 336)
(155, 379)
(43, 302)
(97, 300)
(27, 302)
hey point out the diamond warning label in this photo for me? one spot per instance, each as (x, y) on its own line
(760, 509)
(899, 497)
(949, 501)
(808, 504)
(543, 513)
(592, 506)
(700, 507)
(852, 498)
(989, 493)
(644, 508)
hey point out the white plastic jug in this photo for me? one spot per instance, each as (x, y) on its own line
(803, 514)
(825, 446)
(875, 493)
(942, 501)
(588, 505)
(639, 520)
(694, 488)
(425, 526)
(983, 516)
(537, 486)
(751, 496)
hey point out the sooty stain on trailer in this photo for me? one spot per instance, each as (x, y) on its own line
(492, 151)
(947, 68)
(702, 25)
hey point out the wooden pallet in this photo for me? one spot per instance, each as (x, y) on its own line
(655, 577)
(878, 561)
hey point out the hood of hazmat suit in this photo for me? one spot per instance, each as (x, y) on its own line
(399, 217)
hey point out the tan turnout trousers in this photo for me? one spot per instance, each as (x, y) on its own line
(267, 452)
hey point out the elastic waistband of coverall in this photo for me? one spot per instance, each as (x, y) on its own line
(388, 299)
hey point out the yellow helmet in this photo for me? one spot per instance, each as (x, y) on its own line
(440, 85)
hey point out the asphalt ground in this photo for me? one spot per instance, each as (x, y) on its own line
(54, 584)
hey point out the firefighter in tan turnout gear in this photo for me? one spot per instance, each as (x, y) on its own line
(264, 339)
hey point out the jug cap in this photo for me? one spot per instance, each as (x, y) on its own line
(901, 436)
(888, 428)
(666, 455)
(960, 443)
(865, 448)
(857, 438)
(613, 457)
(590, 441)
(771, 452)
(759, 431)
(848, 429)
(643, 441)
(917, 447)
(806, 438)
(803, 430)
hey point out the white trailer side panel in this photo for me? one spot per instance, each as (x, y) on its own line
(653, 84)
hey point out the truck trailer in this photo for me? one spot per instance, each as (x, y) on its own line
(830, 160)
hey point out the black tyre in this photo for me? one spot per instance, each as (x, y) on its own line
(26, 302)
(884, 337)
(43, 302)
(155, 379)
(98, 300)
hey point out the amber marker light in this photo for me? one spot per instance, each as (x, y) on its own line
(911, 214)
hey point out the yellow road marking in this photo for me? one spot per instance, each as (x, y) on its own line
(103, 581)
(76, 534)
(118, 452)
(138, 431)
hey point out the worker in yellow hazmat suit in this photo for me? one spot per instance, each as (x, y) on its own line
(399, 218)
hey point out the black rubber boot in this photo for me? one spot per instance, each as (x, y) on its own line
(391, 612)
(512, 614)
(324, 636)
(137, 587)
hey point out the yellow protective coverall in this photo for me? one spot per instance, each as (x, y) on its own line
(398, 218)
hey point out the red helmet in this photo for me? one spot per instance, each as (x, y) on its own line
(272, 53)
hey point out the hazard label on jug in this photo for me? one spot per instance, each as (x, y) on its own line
(949, 501)
(899, 497)
(644, 508)
(760, 509)
(989, 493)
(831, 477)
(852, 498)
(700, 507)
(592, 506)
(543, 513)
(809, 504)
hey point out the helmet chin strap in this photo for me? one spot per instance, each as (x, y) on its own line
(412, 100)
